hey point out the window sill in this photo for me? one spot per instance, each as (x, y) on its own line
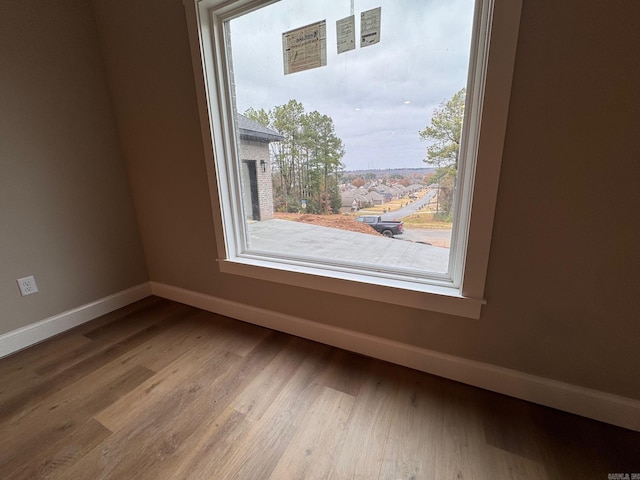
(441, 299)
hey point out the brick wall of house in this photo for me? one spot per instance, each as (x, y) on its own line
(254, 150)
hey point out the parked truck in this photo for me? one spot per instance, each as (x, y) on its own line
(388, 228)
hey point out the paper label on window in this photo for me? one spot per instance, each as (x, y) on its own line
(305, 48)
(346, 34)
(370, 27)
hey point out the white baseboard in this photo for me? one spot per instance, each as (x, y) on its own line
(36, 332)
(605, 407)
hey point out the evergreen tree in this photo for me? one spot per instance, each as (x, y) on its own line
(445, 133)
(306, 161)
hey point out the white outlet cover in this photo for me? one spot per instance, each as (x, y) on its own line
(27, 286)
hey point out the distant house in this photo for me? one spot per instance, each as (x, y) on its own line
(385, 191)
(375, 198)
(255, 168)
(352, 201)
(397, 190)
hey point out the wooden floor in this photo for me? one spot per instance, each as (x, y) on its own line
(159, 390)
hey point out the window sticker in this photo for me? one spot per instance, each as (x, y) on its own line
(305, 48)
(370, 27)
(346, 34)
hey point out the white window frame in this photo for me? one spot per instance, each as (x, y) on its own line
(489, 88)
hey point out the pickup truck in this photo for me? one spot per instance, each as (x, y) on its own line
(388, 228)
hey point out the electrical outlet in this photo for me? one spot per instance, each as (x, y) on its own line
(27, 285)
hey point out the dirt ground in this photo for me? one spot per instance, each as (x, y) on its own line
(342, 222)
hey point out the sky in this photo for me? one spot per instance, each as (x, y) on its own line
(422, 58)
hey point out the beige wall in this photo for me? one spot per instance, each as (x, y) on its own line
(150, 76)
(563, 278)
(66, 214)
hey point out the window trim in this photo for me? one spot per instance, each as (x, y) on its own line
(464, 295)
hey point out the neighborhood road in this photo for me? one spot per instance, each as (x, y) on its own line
(437, 237)
(411, 208)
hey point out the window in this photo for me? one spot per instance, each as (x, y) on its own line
(269, 152)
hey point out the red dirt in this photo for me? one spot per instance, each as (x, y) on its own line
(342, 222)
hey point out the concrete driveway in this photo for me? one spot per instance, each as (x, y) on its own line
(333, 244)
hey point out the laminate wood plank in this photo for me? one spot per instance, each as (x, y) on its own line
(254, 400)
(198, 328)
(368, 427)
(505, 424)
(312, 450)
(416, 428)
(160, 435)
(565, 441)
(149, 436)
(208, 448)
(66, 377)
(263, 446)
(509, 466)
(216, 444)
(216, 397)
(85, 398)
(462, 450)
(39, 354)
(32, 438)
(346, 371)
(192, 332)
(187, 394)
(181, 376)
(119, 318)
(131, 324)
(53, 457)
(240, 338)
(66, 358)
(16, 382)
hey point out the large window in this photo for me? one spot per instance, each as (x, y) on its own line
(356, 144)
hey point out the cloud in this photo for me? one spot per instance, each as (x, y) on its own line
(422, 58)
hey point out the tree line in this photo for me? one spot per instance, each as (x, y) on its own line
(307, 163)
(445, 132)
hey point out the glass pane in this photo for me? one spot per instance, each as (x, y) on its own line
(351, 157)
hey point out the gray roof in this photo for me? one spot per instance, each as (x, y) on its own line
(375, 195)
(252, 130)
